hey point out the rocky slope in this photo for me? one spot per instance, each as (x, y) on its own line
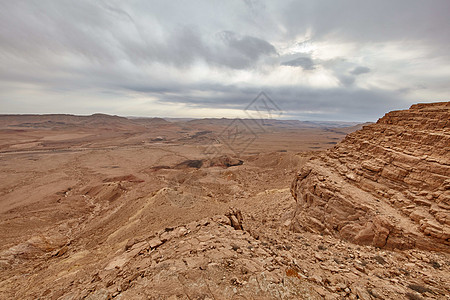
(386, 185)
(220, 257)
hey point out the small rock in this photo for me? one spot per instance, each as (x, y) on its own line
(61, 251)
(129, 244)
(318, 257)
(155, 242)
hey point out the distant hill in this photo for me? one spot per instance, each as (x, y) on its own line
(61, 121)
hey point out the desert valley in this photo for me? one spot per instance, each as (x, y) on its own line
(209, 150)
(107, 207)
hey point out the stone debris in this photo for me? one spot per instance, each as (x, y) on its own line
(210, 259)
(235, 217)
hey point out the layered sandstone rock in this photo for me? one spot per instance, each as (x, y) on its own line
(386, 185)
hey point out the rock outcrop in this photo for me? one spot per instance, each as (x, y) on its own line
(386, 185)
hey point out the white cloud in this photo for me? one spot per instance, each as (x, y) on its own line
(210, 58)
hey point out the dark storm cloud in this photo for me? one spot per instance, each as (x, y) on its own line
(303, 103)
(371, 21)
(360, 70)
(305, 62)
(219, 54)
(346, 80)
(242, 52)
(102, 33)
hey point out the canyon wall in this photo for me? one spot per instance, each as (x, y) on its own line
(386, 185)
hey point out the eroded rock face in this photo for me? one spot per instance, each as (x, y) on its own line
(386, 185)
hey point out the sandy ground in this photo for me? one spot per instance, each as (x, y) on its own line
(90, 185)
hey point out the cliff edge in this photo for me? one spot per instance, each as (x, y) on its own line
(386, 185)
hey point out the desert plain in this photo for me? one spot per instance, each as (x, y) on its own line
(108, 207)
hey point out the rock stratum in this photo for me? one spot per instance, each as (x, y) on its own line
(386, 185)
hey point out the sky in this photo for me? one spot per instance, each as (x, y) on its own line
(346, 60)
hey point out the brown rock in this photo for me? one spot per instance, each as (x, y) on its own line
(359, 189)
(155, 242)
(235, 217)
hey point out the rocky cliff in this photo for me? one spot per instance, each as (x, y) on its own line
(386, 185)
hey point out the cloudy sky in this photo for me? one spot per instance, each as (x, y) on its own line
(347, 60)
